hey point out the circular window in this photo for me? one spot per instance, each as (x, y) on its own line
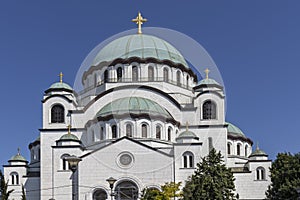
(125, 159)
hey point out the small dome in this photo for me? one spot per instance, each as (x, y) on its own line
(258, 152)
(234, 130)
(69, 136)
(17, 158)
(133, 106)
(142, 46)
(60, 85)
(207, 81)
(187, 134)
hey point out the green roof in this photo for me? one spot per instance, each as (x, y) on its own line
(69, 136)
(139, 45)
(258, 152)
(208, 81)
(18, 157)
(234, 130)
(187, 134)
(133, 105)
(60, 85)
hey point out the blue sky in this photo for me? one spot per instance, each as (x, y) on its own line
(255, 45)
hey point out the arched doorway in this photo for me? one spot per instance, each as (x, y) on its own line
(99, 194)
(126, 190)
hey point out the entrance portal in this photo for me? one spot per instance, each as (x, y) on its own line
(126, 190)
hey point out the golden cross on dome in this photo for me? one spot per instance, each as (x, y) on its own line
(69, 128)
(187, 125)
(139, 21)
(206, 72)
(61, 77)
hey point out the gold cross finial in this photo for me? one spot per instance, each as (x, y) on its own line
(61, 77)
(139, 21)
(187, 125)
(206, 72)
(69, 128)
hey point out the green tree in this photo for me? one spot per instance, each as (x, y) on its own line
(285, 177)
(4, 194)
(211, 180)
(23, 197)
(169, 190)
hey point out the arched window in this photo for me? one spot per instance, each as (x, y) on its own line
(178, 74)
(150, 73)
(64, 162)
(135, 76)
(144, 130)
(169, 133)
(126, 190)
(99, 194)
(158, 132)
(260, 173)
(128, 130)
(14, 176)
(246, 150)
(119, 74)
(101, 133)
(188, 160)
(32, 155)
(187, 81)
(238, 149)
(209, 110)
(166, 75)
(57, 114)
(105, 76)
(228, 148)
(114, 131)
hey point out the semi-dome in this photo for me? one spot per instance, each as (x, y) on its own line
(207, 81)
(133, 106)
(69, 136)
(60, 85)
(187, 134)
(17, 158)
(234, 130)
(141, 46)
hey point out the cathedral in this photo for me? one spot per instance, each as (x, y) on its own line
(143, 118)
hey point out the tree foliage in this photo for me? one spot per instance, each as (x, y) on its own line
(211, 180)
(23, 197)
(169, 190)
(285, 177)
(4, 194)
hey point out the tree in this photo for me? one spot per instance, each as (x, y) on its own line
(23, 197)
(285, 177)
(169, 190)
(211, 180)
(4, 194)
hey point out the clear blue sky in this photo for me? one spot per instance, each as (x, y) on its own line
(255, 45)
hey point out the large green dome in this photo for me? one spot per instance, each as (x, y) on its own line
(133, 105)
(234, 130)
(141, 46)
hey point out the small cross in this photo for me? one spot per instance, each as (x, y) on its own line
(139, 21)
(61, 77)
(69, 128)
(18, 151)
(206, 72)
(187, 125)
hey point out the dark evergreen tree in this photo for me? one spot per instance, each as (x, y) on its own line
(285, 177)
(211, 180)
(4, 194)
(23, 197)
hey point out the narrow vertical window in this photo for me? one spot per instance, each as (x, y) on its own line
(260, 173)
(150, 73)
(114, 131)
(105, 76)
(209, 110)
(101, 133)
(144, 130)
(166, 75)
(238, 149)
(185, 161)
(169, 134)
(187, 82)
(178, 74)
(188, 159)
(246, 150)
(119, 74)
(57, 114)
(210, 144)
(134, 73)
(65, 164)
(158, 132)
(228, 149)
(129, 130)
